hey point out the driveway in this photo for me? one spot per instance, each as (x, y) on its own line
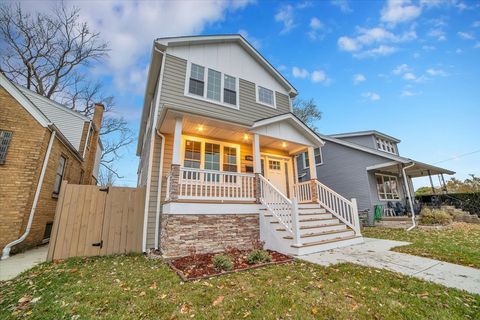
(376, 253)
(18, 263)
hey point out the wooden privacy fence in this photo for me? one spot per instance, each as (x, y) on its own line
(94, 221)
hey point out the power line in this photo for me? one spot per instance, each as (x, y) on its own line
(459, 156)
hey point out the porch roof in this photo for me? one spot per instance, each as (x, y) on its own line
(419, 169)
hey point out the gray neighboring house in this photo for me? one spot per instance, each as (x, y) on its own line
(366, 165)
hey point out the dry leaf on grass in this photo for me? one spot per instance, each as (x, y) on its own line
(218, 300)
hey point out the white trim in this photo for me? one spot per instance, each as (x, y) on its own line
(24, 101)
(274, 106)
(382, 165)
(190, 208)
(202, 151)
(311, 159)
(177, 142)
(321, 156)
(365, 133)
(383, 181)
(205, 86)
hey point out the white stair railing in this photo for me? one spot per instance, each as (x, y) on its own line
(303, 191)
(282, 208)
(343, 209)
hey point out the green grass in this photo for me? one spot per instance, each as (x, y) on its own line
(126, 287)
(458, 243)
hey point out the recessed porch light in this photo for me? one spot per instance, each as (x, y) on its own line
(245, 137)
(284, 144)
(200, 128)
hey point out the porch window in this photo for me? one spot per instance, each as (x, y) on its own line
(230, 159)
(265, 96)
(214, 85)
(212, 156)
(59, 175)
(197, 80)
(387, 187)
(192, 154)
(230, 90)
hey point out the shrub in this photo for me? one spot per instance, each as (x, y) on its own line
(436, 216)
(222, 262)
(258, 256)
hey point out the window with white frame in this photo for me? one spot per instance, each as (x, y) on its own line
(5, 137)
(192, 156)
(208, 154)
(265, 96)
(212, 156)
(197, 80)
(317, 152)
(59, 175)
(230, 159)
(385, 145)
(220, 88)
(387, 187)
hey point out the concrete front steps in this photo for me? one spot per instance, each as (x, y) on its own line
(319, 231)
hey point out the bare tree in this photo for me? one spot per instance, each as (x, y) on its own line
(50, 53)
(307, 111)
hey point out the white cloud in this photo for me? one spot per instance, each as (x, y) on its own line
(371, 95)
(466, 35)
(436, 72)
(254, 41)
(397, 11)
(401, 69)
(477, 45)
(458, 51)
(476, 24)
(409, 76)
(439, 34)
(409, 93)
(343, 5)
(319, 76)
(285, 15)
(428, 48)
(358, 78)
(316, 29)
(300, 73)
(282, 67)
(374, 36)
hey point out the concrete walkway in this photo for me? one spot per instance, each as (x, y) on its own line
(375, 253)
(18, 263)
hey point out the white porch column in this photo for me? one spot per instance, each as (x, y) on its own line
(256, 154)
(177, 141)
(312, 165)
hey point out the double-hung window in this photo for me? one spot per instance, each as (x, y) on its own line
(387, 187)
(265, 96)
(230, 159)
(192, 154)
(317, 152)
(230, 90)
(59, 175)
(197, 80)
(210, 155)
(214, 84)
(5, 137)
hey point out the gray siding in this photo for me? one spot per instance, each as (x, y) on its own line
(366, 141)
(173, 88)
(344, 170)
(152, 205)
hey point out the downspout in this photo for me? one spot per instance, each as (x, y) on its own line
(8, 247)
(86, 139)
(150, 158)
(159, 191)
(409, 194)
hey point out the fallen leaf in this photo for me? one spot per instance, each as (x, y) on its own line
(218, 300)
(154, 285)
(142, 294)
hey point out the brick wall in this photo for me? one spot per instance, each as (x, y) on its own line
(207, 233)
(20, 173)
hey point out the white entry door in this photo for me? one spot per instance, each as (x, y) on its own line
(275, 171)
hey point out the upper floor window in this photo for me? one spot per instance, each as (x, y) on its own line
(5, 137)
(197, 80)
(385, 145)
(265, 96)
(221, 88)
(318, 156)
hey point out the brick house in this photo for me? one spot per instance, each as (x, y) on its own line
(42, 143)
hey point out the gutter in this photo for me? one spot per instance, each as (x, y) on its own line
(159, 191)
(409, 194)
(8, 247)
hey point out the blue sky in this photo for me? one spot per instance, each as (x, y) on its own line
(410, 69)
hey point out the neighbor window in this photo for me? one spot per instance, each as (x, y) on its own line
(387, 187)
(197, 80)
(385, 145)
(306, 160)
(230, 90)
(214, 85)
(318, 156)
(59, 175)
(5, 137)
(265, 96)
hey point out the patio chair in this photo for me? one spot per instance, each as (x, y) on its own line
(400, 209)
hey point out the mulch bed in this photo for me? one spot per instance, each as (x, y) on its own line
(200, 266)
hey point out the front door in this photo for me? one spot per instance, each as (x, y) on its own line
(275, 170)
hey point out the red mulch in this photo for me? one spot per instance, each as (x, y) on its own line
(200, 265)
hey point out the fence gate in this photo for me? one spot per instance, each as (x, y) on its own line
(91, 221)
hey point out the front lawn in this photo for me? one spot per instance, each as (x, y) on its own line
(122, 287)
(458, 243)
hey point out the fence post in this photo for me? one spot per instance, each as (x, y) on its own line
(295, 223)
(356, 220)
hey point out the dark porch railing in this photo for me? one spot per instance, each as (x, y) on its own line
(469, 202)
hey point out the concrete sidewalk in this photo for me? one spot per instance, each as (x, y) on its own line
(18, 263)
(376, 253)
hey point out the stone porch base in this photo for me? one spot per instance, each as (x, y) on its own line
(182, 234)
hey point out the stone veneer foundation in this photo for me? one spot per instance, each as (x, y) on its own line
(181, 234)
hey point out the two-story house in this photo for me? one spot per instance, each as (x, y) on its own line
(42, 143)
(367, 165)
(217, 145)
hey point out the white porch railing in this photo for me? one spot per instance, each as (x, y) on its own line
(345, 210)
(282, 208)
(303, 191)
(197, 184)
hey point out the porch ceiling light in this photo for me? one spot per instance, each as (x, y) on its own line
(200, 128)
(245, 137)
(284, 144)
